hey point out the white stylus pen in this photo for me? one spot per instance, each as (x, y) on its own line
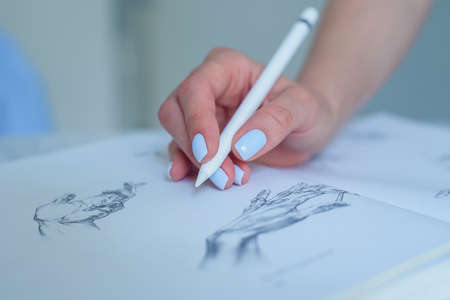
(259, 91)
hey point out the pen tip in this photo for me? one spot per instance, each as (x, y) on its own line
(202, 177)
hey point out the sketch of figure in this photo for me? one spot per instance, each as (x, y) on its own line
(442, 194)
(70, 210)
(267, 214)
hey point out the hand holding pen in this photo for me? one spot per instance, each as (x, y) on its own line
(293, 120)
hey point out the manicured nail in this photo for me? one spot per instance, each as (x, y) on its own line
(168, 170)
(220, 179)
(250, 143)
(238, 175)
(199, 147)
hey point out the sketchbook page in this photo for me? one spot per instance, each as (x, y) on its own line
(398, 161)
(426, 280)
(104, 222)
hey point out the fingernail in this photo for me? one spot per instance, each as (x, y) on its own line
(199, 147)
(219, 178)
(238, 175)
(168, 170)
(250, 143)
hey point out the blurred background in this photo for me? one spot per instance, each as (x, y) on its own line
(106, 65)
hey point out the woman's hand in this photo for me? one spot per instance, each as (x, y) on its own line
(292, 124)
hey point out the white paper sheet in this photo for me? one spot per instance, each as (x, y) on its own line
(165, 240)
(392, 159)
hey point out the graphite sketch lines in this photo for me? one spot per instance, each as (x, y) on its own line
(267, 214)
(442, 194)
(69, 210)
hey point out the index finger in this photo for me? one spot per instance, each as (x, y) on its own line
(196, 97)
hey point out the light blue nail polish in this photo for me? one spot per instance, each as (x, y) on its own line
(238, 175)
(199, 147)
(168, 170)
(219, 178)
(250, 143)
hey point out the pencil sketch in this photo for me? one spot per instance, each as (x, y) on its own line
(267, 214)
(442, 194)
(69, 210)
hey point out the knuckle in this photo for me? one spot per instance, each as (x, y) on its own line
(281, 116)
(163, 113)
(226, 56)
(229, 61)
(218, 51)
(186, 87)
(195, 117)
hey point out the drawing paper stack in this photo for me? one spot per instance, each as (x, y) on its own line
(103, 221)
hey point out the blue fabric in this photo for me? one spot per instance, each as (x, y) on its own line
(23, 106)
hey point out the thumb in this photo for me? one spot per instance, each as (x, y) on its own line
(293, 109)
